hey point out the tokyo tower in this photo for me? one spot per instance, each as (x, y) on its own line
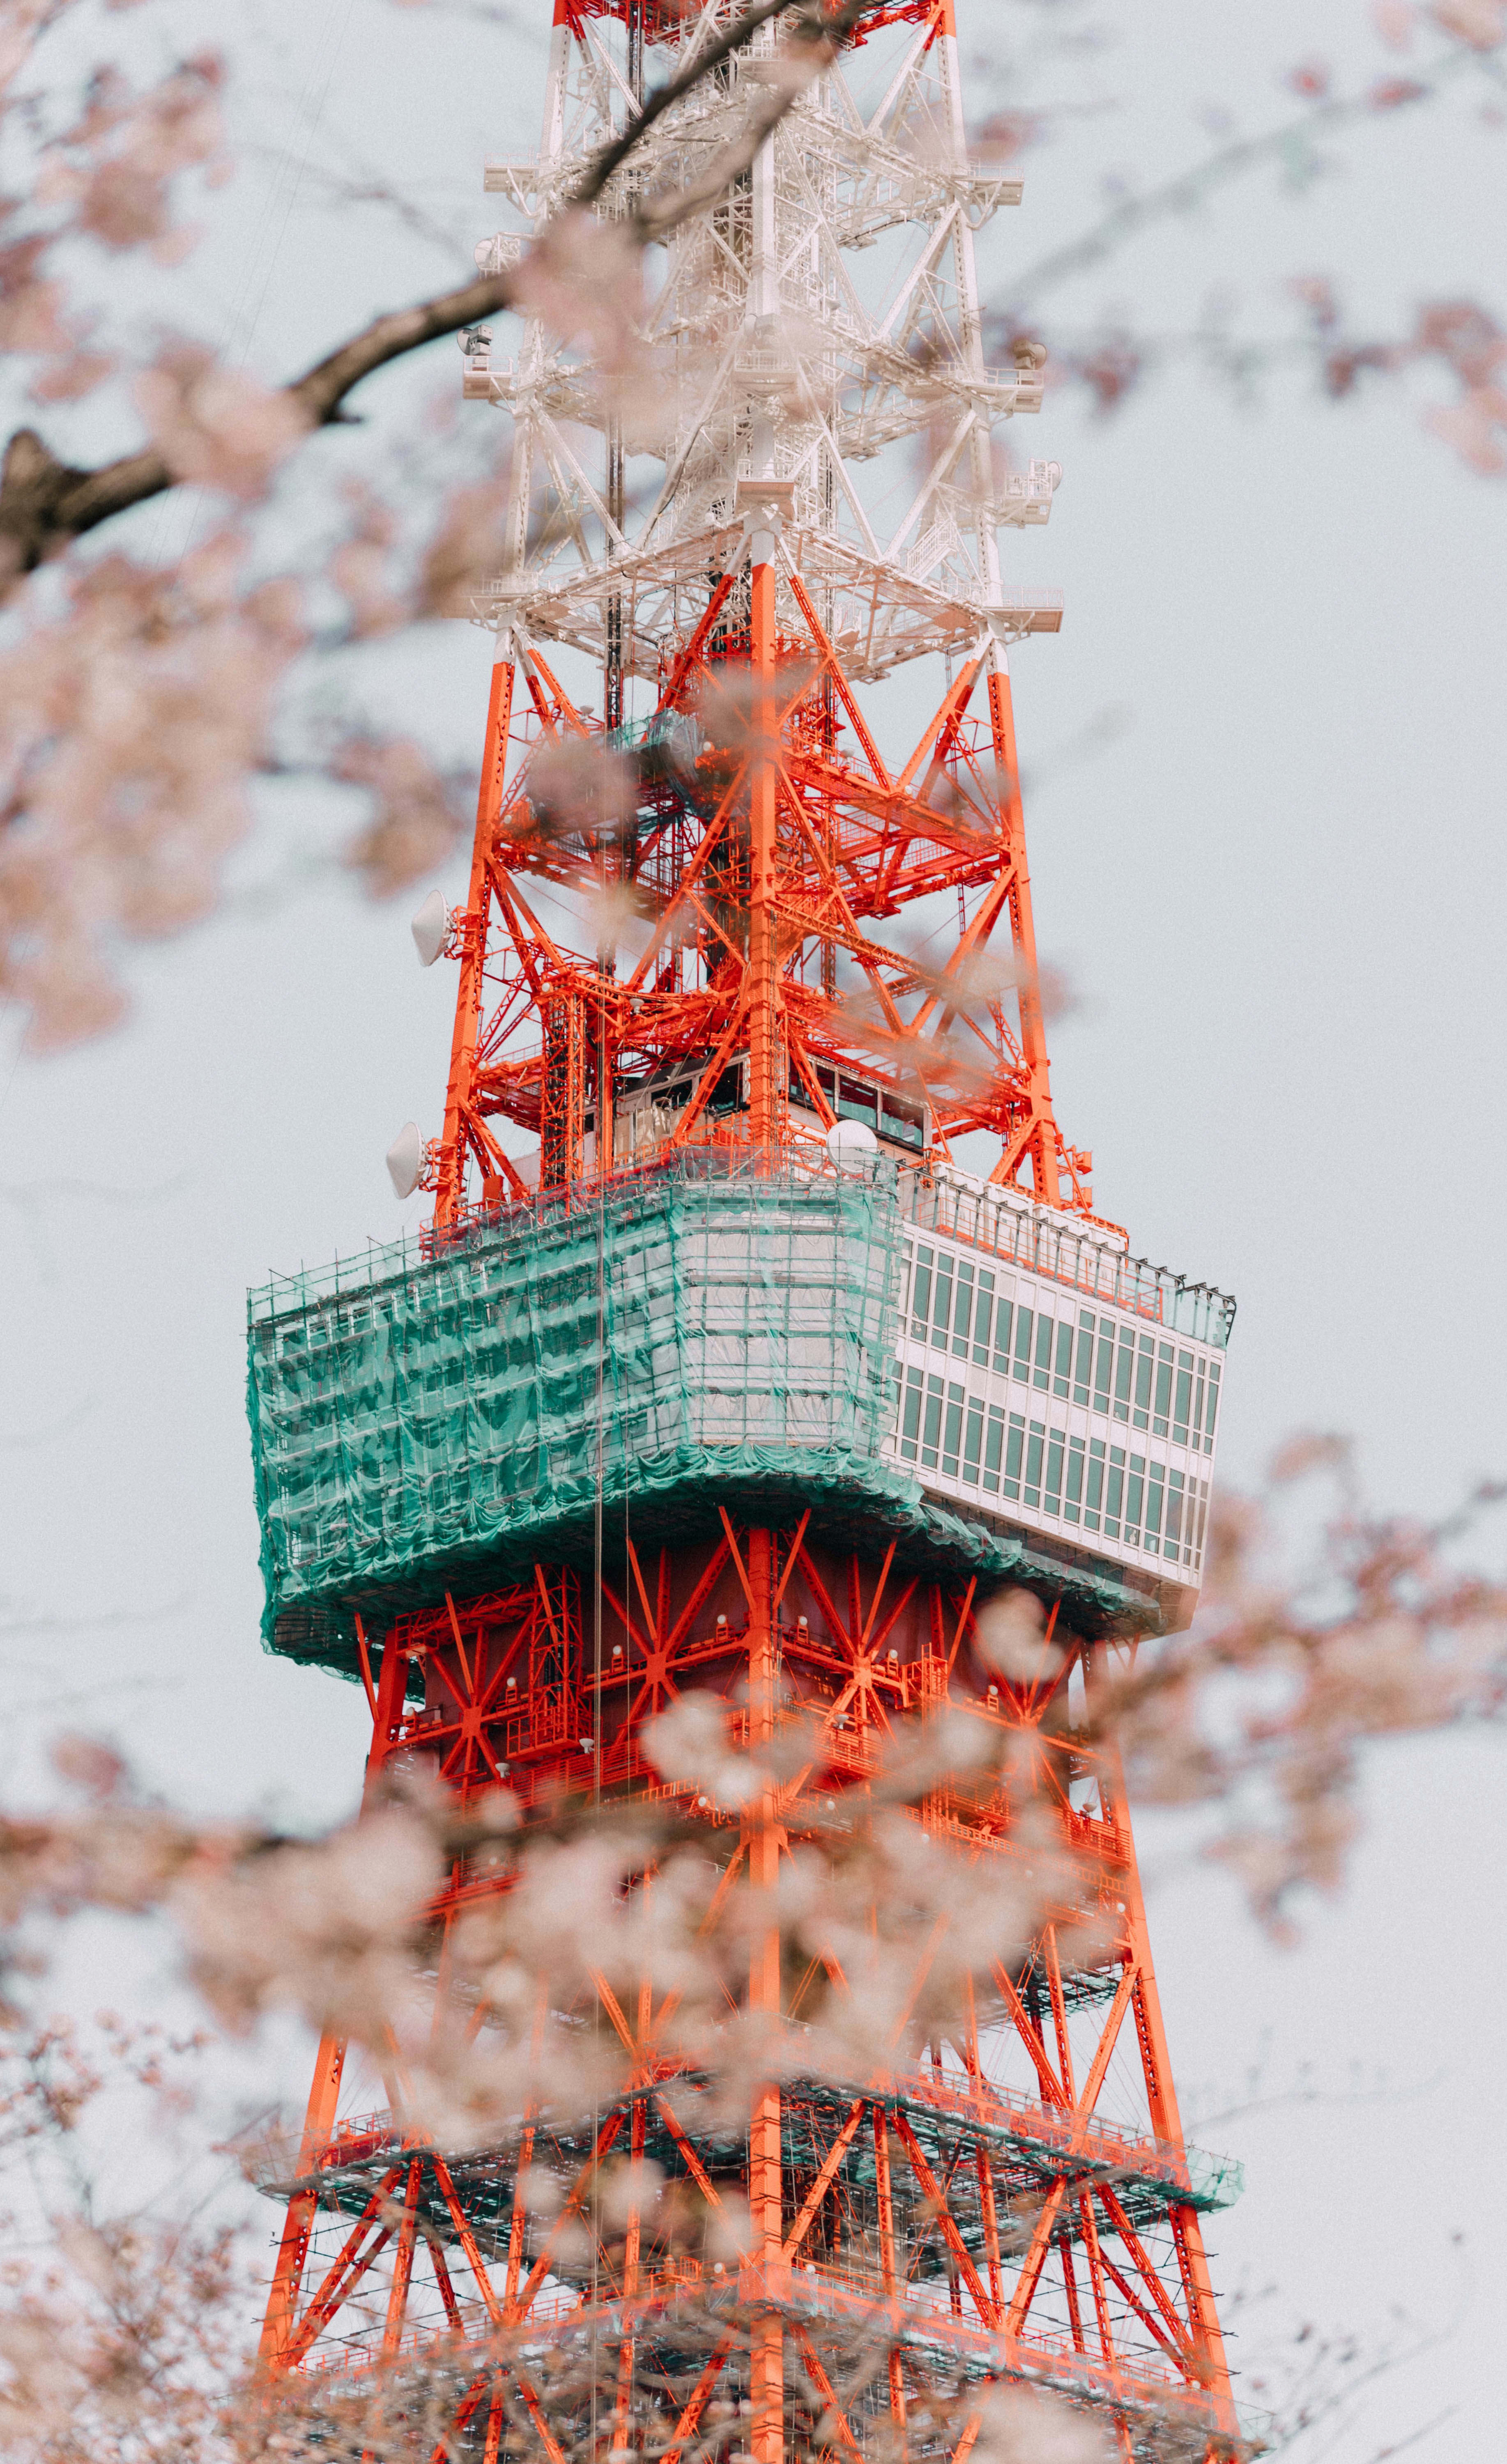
(763, 1337)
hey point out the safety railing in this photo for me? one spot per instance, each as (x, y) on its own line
(1044, 1243)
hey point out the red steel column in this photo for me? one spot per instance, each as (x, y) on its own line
(763, 1025)
(319, 2119)
(451, 1186)
(765, 2169)
(1161, 2092)
(1032, 1029)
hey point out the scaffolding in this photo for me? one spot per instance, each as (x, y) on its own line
(698, 1331)
(708, 1330)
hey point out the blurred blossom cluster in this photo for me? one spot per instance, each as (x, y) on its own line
(1257, 1718)
(114, 825)
(1262, 1711)
(109, 175)
(131, 721)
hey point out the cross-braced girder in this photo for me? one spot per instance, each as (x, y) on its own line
(776, 345)
(981, 2185)
(667, 990)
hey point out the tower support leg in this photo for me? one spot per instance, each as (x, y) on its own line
(764, 1026)
(766, 2165)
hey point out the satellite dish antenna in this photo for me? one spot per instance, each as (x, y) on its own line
(405, 1160)
(849, 1142)
(431, 929)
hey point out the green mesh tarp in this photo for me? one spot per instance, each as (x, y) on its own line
(697, 1338)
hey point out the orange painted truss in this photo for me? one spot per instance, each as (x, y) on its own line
(713, 903)
(968, 2196)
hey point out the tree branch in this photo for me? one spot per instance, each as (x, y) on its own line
(46, 504)
(733, 37)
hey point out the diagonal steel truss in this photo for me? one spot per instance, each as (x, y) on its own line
(734, 886)
(548, 1035)
(1017, 2203)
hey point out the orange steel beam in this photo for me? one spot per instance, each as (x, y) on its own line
(884, 2191)
(319, 2120)
(824, 2179)
(1157, 2063)
(943, 2219)
(515, 2242)
(450, 1192)
(628, 2349)
(824, 2389)
(466, 1646)
(694, 2164)
(493, 2439)
(350, 2266)
(447, 2289)
(1069, 2286)
(1035, 2260)
(1029, 2036)
(697, 2403)
(1032, 1029)
(764, 1105)
(765, 2152)
(402, 2265)
(991, 2228)
(539, 2417)
(469, 2404)
(1106, 2336)
(605, 2139)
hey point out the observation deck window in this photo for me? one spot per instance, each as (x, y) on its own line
(1114, 1494)
(952, 1433)
(1035, 1449)
(1084, 1371)
(1135, 1498)
(856, 1102)
(1094, 1495)
(1062, 1375)
(1145, 1365)
(1161, 1410)
(1183, 1400)
(857, 1099)
(1073, 1502)
(1046, 1328)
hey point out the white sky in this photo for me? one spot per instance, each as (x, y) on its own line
(1280, 895)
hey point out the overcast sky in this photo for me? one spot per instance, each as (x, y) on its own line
(1278, 891)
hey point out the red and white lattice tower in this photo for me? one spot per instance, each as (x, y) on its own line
(748, 1012)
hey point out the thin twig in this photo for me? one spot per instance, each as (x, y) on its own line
(45, 504)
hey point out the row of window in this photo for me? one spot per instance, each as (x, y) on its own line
(1100, 1361)
(857, 1099)
(1129, 1497)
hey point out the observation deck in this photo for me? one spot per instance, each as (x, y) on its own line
(916, 1357)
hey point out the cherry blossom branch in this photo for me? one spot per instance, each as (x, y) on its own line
(45, 503)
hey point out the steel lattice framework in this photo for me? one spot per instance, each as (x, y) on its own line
(680, 934)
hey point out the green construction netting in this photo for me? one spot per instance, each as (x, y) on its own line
(426, 1419)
